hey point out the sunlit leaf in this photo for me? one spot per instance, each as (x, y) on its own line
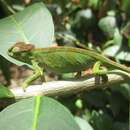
(33, 25)
(84, 125)
(25, 115)
(5, 92)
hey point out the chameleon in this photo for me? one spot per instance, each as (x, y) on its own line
(62, 59)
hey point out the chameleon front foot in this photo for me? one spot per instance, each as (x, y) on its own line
(30, 79)
(38, 72)
(24, 86)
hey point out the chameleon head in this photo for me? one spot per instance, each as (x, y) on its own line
(19, 50)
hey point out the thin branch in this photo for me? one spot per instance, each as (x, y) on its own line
(57, 88)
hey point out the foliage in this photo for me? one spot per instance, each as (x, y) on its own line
(5, 92)
(99, 24)
(50, 115)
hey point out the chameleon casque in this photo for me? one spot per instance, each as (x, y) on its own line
(61, 60)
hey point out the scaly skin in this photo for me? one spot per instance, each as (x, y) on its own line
(61, 60)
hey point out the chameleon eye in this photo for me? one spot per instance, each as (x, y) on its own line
(16, 49)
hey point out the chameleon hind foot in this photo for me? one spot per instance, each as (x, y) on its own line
(100, 73)
(98, 69)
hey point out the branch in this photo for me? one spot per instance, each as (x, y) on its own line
(57, 88)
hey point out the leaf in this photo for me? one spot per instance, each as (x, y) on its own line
(96, 98)
(116, 101)
(120, 126)
(95, 3)
(120, 52)
(84, 125)
(117, 37)
(101, 121)
(125, 6)
(4, 66)
(124, 89)
(33, 25)
(108, 25)
(5, 92)
(46, 114)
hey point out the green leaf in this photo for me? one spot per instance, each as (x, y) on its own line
(33, 25)
(116, 101)
(37, 114)
(118, 51)
(96, 98)
(125, 6)
(129, 115)
(120, 126)
(107, 25)
(5, 67)
(124, 89)
(101, 121)
(117, 37)
(84, 125)
(95, 3)
(5, 92)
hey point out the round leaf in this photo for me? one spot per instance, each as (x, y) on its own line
(51, 116)
(5, 92)
(84, 125)
(33, 25)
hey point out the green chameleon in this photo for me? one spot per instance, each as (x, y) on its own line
(62, 60)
